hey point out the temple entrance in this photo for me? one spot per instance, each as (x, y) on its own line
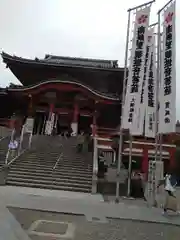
(40, 122)
(63, 123)
(84, 123)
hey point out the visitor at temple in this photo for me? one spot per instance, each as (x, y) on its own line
(70, 131)
(137, 190)
(169, 183)
(80, 142)
(102, 166)
(86, 142)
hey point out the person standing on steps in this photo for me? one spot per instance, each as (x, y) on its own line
(80, 140)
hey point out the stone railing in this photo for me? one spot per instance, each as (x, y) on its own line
(17, 147)
(95, 167)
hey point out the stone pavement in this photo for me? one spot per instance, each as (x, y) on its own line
(46, 214)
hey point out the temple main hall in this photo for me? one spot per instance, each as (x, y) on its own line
(80, 94)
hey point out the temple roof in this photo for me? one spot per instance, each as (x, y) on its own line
(103, 76)
(64, 61)
(81, 61)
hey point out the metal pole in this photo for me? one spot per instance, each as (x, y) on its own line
(130, 166)
(160, 147)
(122, 109)
(157, 108)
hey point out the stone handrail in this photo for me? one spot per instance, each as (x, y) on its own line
(95, 157)
(59, 158)
(95, 167)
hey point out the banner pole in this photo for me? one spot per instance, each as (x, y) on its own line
(123, 97)
(157, 111)
(122, 109)
(130, 166)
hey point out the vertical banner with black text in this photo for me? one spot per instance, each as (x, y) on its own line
(150, 87)
(167, 96)
(130, 118)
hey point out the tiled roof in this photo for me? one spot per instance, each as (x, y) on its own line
(66, 61)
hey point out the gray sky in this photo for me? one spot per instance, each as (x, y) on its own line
(78, 28)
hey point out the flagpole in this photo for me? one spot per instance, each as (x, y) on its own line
(123, 97)
(130, 166)
(122, 109)
(157, 112)
(158, 144)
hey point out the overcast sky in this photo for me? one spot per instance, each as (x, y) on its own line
(77, 28)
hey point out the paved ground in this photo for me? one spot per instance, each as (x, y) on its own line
(43, 215)
(76, 227)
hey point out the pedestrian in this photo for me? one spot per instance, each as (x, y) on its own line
(169, 183)
(80, 142)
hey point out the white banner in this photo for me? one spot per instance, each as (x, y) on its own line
(50, 124)
(167, 96)
(130, 116)
(29, 125)
(144, 84)
(150, 88)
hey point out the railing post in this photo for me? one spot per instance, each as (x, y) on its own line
(21, 140)
(30, 139)
(95, 167)
(8, 151)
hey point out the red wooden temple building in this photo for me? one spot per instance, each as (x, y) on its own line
(83, 93)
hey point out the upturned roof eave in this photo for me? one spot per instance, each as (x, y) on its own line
(8, 58)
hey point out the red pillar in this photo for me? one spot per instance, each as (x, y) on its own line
(76, 113)
(145, 161)
(172, 158)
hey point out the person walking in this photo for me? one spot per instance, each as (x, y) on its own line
(80, 140)
(169, 183)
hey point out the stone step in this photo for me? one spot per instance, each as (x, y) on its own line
(50, 159)
(44, 186)
(50, 167)
(50, 183)
(46, 176)
(58, 181)
(61, 170)
(29, 156)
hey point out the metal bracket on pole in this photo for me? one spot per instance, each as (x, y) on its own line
(165, 6)
(140, 6)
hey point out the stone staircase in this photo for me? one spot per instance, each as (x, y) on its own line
(52, 163)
